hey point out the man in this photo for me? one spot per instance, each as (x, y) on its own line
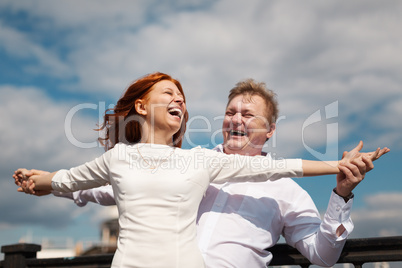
(238, 221)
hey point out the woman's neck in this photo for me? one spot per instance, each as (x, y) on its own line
(156, 137)
(157, 141)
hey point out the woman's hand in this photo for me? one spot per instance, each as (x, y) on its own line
(356, 154)
(22, 178)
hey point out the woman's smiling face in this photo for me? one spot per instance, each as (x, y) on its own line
(164, 107)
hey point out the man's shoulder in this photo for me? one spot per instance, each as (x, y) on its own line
(284, 184)
(284, 190)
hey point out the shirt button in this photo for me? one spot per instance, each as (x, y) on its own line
(338, 208)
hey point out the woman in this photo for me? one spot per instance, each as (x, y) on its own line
(157, 185)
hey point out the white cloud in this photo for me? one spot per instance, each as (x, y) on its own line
(32, 136)
(33, 133)
(75, 13)
(393, 112)
(22, 47)
(382, 216)
(388, 201)
(311, 53)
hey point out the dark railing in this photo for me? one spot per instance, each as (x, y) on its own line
(356, 251)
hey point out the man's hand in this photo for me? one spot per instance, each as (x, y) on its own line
(352, 173)
(354, 166)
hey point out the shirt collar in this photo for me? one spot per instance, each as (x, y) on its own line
(219, 148)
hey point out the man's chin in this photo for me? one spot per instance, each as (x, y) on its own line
(234, 145)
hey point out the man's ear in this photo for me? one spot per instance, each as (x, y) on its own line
(272, 128)
(140, 106)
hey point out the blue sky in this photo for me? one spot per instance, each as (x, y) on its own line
(336, 69)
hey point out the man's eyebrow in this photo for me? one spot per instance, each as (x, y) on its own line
(242, 110)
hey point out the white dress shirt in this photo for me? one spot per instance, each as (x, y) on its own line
(238, 221)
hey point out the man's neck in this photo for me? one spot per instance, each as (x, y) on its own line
(243, 152)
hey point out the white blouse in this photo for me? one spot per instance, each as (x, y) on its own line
(158, 190)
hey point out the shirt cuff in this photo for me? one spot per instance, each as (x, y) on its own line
(61, 194)
(56, 181)
(78, 199)
(75, 196)
(294, 167)
(62, 183)
(338, 213)
(347, 198)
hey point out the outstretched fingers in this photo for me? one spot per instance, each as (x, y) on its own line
(353, 154)
(357, 149)
(378, 153)
(374, 155)
(382, 152)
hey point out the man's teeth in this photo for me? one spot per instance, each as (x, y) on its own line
(237, 133)
(175, 112)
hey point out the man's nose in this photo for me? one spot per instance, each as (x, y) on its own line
(237, 118)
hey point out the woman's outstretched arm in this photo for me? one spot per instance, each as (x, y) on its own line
(317, 168)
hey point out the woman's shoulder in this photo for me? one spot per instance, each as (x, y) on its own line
(121, 149)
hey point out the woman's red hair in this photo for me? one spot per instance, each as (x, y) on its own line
(123, 123)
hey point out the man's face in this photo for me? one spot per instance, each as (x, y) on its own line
(245, 126)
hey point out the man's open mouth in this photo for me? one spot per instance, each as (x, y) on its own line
(237, 133)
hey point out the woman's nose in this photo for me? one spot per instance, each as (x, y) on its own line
(178, 98)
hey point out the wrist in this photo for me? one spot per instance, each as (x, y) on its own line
(347, 197)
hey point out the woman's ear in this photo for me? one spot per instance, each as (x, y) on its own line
(140, 106)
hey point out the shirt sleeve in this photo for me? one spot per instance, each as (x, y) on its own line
(89, 175)
(240, 168)
(322, 246)
(101, 195)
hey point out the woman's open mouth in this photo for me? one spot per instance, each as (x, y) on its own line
(175, 111)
